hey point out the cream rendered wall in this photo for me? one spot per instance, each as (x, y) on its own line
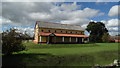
(36, 33)
(63, 31)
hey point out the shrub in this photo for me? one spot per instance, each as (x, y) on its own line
(11, 42)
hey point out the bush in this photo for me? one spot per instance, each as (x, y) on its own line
(11, 42)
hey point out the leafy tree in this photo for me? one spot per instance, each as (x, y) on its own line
(118, 35)
(11, 42)
(26, 36)
(96, 30)
(105, 37)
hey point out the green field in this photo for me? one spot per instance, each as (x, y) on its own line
(64, 55)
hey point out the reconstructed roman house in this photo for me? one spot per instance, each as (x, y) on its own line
(58, 33)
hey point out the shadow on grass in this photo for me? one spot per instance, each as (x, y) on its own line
(22, 60)
(43, 59)
(46, 59)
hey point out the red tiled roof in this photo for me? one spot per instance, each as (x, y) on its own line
(44, 34)
(68, 35)
(71, 35)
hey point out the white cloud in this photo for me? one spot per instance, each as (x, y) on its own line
(115, 29)
(84, 26)
(77, 21)
(28, 12)
(112, 26)
(6, 21)
(69, 7)
(113, 33)
(28, 30)
(112, 22)
(33, 0)
(114, 11)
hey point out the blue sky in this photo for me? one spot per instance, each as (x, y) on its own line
(25, 14)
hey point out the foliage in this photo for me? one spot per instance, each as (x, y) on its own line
(96, 30)
(11, 42)
(118, 35)
(105, 37)
(25, 36)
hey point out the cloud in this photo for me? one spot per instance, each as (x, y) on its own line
(6, 21)
(28, 30)
(28, 12)
(112, 26)
(115, 29)
(113, 33)
(114, 11)
(69, 7)
(84, 26)
(112, 22)
(33, 0)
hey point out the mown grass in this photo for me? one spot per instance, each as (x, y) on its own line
(64, 55)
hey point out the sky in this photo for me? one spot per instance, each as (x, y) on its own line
(23, 15)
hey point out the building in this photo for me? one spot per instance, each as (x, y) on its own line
(115, 39)
(54, 33)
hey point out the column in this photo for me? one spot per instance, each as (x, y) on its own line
(40, 39)
(88, 39)
(62, 39)
(82, 39)
(76, 39)
(70, 39)
(48, 40)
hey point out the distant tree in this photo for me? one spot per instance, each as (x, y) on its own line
(96, 30)
(118, 35)
(106, 37)
(11, 42)
(25, 36)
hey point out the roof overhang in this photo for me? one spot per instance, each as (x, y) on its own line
(59, 34)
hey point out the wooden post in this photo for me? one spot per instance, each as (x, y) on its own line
(83, 39)
(40, 38)
(70, 39)
(48, 40)
(88, 39)
(62, 39)
(76, 39)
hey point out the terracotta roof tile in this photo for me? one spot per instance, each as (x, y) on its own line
(59, 34)
(44, 34)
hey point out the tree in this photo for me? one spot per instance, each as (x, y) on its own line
(118, 35)
(96, 30)
(105, 37)
(25, 36)
(11, 42)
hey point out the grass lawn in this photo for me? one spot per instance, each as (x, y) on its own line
(64, 55)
